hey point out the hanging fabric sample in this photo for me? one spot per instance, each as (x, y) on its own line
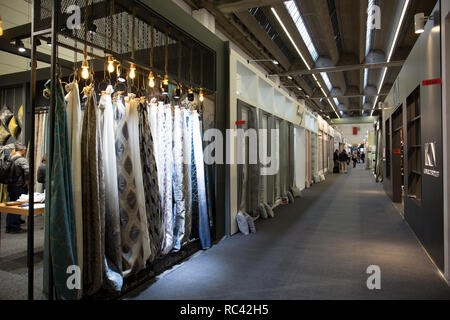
(130, 213)
(187, 181)
(179, 210)
(74, 118)
(166, 163)
(113, 252)
(60, 250)
(150, 179)
(203, 224)
(135, 151)
(93, 193)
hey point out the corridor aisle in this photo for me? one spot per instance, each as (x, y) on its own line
(317, 248)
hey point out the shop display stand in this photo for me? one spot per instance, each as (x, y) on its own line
(54, 15)
(414, 146)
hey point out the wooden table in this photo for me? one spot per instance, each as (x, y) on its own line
(18, 210)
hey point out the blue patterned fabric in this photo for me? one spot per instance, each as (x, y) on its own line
(59, 242)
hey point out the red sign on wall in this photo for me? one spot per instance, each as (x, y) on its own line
(431, 82)
(355, 131)
(395, 151)
(240, 123)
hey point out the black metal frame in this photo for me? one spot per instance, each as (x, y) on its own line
(54, 31)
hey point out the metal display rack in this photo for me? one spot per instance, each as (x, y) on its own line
(49, 23)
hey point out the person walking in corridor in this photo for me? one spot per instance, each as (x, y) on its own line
(343, 158)
(336, 161)
(355, 159)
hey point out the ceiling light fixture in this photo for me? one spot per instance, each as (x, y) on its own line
(289, 77)
(1, 27)
(391, 50)
(275, 62)
(20, 46)
(300, 54)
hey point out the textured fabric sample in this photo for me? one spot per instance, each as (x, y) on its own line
(269, 211)
(130, 212)
(13, 127)
(135, 151)
(179, 210)
(262, 211)
(187, 181)
(74, 126)
(5, 116)
(251, 223)
(166, 149)
(59, 239)
(203, 223)
(4, 135)
(242, 223)
(150, 179)
(20, 116)
(113, 251)
(93, 193)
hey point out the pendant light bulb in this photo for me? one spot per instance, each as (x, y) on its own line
(85, 70)
(132, 74)
(190, 94)
(111, 67)
(165, 86)
(1, 27)
(200, 95)
(151, 80)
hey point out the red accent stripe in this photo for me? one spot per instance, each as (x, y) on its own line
(431, 82)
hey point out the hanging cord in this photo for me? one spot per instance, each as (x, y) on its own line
(180, 52)
(111, 24)
(85, 28)
(190, 66)
(201, 69)
(166, 53)
(152, 44)
(133, 30)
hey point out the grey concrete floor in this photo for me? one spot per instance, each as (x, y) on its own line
(13, 261)
(318, 248)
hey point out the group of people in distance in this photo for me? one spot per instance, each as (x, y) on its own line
(342, 160)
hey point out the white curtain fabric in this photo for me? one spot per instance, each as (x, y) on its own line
(166, 150)
(112, 211)
(178, 179)
(74, 117)
(133, 121)
(187, 147)
(199, 165)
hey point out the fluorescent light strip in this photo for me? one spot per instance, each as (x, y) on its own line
(290, 38)
(405, 6)
(300, 54)
(296, 16)
(391, 51)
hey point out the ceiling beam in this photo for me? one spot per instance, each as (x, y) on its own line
(350, 96)
(252, 25)
(343, 68)
(243, 5)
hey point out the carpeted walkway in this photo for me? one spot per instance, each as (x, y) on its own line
(317, 248)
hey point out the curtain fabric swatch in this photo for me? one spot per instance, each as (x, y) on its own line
(113, 252)
(150, 178)
(74, 117)
(60, 250)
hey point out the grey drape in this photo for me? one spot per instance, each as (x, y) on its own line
(93, 193)
(291, 175)
(150, 177)
(249, 174)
